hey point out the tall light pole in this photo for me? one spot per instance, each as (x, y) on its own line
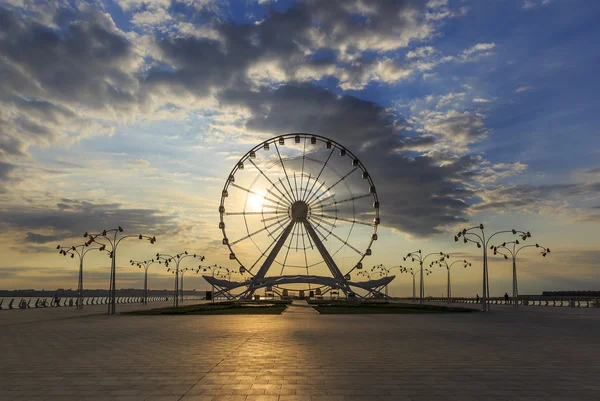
(80, 251)
(177, 258)
(480, 240)
(182, 273)
(418, 256)
(448, 267)
(212, 269)
(227, 275)
(112, 236)
(513, 252)
(145, 264)
(385, 271)
(364, 273)
(412, 273)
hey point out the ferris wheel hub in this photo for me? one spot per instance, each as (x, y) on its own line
(299, 211)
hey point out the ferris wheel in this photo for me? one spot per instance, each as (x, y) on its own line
(296, 206)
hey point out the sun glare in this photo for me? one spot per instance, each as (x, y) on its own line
(255, 202)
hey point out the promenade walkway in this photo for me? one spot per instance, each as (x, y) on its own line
(508, 354)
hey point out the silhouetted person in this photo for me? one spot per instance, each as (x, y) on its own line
(506, 297)
(56, 299)
(477, 297)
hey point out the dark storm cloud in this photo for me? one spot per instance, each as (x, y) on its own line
(417, 195)
(199, 64)
(5, 170)
(46, 73)
(34, 238)
(80, 217)
(283, 38)
(89, 64)
(84, 64)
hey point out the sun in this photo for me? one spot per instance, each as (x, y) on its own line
(255, 202)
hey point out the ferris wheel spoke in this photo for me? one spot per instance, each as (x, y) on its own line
(254, 233)
(319, 217)
(290, 194)
(334, 184)
(270, 219)
(276, 196)
(346, 200)
(301, 195)
(271, 182)
(320, 172)
(317, 202)
(296, 186)
(334, 235)
(346, 220)
(287, 177)
(248, 213)
(275, 207)
(316, 191)
(233, 184)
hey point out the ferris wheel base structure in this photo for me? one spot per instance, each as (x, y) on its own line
(224, 287)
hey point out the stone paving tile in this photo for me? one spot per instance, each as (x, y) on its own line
(508, 355)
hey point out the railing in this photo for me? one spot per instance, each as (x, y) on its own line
(573, 302)
(49, 302)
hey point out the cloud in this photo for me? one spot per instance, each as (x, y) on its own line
(421, 52)
(34, 238)
(477, 51)
(530, 4)
(419, 195)
(284, 47)
(523, 89)
(532, 198)
(5, 171)
(459, 128)
(85, 65)
(72, 218)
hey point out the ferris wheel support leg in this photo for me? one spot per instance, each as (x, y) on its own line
(268, 261)
(335, 271)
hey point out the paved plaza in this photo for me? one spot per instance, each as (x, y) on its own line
(528, 354)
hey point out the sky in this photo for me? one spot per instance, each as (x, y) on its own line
(133, 113)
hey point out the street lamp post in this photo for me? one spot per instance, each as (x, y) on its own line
(114, 243)
(480, 240)
(448, 267)
(183, 271)
(513, 253)
(412, 273)
(80, 251)
(385, 271)
(212, 269)
(145, 264)
(418, 255)
(177, 260)
(364, 273)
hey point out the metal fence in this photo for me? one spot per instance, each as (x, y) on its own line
(49, 302)
(573, 302)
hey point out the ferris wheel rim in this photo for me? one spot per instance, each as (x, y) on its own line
(274, 140)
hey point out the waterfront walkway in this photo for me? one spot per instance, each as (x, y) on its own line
(525, 354)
